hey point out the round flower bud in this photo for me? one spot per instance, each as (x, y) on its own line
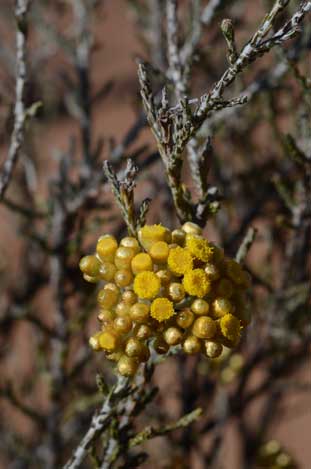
(113, 287)
(105, 316)
(161, 309)
(165, 276)
(179, 260)
(212, 273)
(87, 278)
(159, 252)
(90, 265)
(191, 228)
(141, 262)
(173, 336)
(107, 298)
(122, 324)
(94, 342)
(192, 345)
(204, 328)
(230, 327)
(108, 341)
(122, 309)
(107, 271)
(146, 285)
(225, 288)
(134, 348)
(176, 292)
(123, 277)
(106, 248)
(196, 283)
(160, 346)
(150, 234)
(178, 237)
(200, 306)
(123, 257)
(143, 332)
(185, 318)
(139, 312)
(129, 297)
(130, 242)
(212, 349)
(221, 306)
(127, 366)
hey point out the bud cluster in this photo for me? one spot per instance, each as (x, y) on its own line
(165, 289)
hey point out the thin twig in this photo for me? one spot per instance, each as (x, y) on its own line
(246, 244)
(20, 112)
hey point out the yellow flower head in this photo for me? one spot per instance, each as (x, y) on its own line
(147, 285)
(230, 327)
(179, 260)
(199, 247)
(195, 283)
(161, 309)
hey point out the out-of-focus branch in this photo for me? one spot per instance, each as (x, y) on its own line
(20, 112)
(246, 244)
(157, 41)
(82, 65)
(209, 12)
(59, 344)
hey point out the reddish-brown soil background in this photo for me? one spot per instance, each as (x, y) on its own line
(115, 59)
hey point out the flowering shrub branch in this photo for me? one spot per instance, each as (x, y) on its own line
(238, 156)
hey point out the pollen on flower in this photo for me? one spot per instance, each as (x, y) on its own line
(147, 285)
(161, 309)
(195, 283)
(199, 247)
(179, 260)
(230, 327)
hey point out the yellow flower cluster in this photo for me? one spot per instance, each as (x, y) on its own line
(165, 289)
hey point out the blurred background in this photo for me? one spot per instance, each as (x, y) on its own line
(82, 72)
